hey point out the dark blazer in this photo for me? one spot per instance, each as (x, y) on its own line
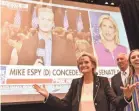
(116, 82)
(102, 93)
(63, 52)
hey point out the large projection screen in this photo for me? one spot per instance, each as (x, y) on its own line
(40, 42)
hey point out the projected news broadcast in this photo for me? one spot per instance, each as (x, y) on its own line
(40, 43)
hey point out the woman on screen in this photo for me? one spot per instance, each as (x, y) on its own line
(88, 93)
(109, 46)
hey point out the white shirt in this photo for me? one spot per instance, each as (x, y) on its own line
(48, 49)
(124, 76)
(87, 102)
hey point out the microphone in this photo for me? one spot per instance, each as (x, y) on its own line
(41, 50)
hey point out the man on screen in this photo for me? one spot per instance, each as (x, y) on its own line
(45, 48)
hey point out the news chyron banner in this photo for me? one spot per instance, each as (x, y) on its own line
(40, 44)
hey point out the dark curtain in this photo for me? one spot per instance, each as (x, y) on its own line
(130, 14)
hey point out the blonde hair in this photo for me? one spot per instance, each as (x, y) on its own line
(108, 17)
(132, 69)
(91, 57)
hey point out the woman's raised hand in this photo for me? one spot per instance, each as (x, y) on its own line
(128, 90)
(40, 90)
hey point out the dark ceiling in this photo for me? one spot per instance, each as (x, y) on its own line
(100, 2)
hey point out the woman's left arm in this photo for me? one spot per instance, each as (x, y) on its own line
(128, 90)
(119, 101)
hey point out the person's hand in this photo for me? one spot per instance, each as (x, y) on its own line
(40, 90)
(38, 62)
(128, 90)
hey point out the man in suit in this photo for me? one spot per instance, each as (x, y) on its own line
(120, 78)
(55, 51)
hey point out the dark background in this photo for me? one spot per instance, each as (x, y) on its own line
(28, 107)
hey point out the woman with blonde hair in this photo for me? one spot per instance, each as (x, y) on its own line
(109, 44)
(90, 92)
(133, 78)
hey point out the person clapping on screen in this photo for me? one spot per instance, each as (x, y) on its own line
(90, 92)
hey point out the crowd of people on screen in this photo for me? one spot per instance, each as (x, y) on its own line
(13, 38)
